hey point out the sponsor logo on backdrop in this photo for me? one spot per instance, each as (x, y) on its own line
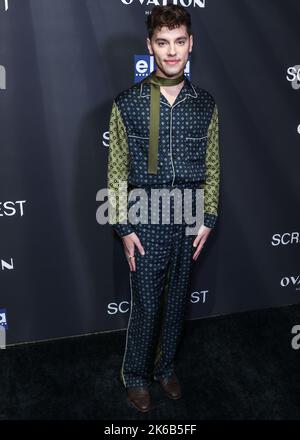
(291, 281)
(2, 337)
(3, 319)
(7, 265)
(2, 68)
(3, 328)
(124, 306)
(287, 238)
(199, 297)
(293, 76)
(145, 64)
(105, 139)
(295, 342)
(10, 208)
(2, 78)
(185, 3)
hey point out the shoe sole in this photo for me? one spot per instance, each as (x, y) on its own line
(173, 397)
(132, 405)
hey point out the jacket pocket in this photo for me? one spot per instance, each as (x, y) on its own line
(138, 147)
(138, 137)
(195, 148)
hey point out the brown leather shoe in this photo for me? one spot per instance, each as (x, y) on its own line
(139, 398)
(171, 386)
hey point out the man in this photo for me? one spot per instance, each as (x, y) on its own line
(163, 134)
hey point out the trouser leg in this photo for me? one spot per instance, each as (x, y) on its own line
(146, 285)
(175, 304)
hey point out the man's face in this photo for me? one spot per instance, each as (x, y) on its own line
(171, 50)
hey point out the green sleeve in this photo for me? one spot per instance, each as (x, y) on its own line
(117, 174)
(212, 164)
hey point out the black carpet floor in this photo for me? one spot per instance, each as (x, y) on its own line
(235, 367)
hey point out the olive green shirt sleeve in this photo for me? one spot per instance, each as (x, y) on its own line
(117, 173)
(212, 163)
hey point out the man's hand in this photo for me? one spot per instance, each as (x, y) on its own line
(200, 240)
(129, 243)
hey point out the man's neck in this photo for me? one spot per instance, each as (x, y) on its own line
(170, 90)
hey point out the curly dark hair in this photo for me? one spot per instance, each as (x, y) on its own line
(171, 16)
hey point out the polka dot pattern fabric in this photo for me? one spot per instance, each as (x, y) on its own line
(159, 289)
(188, 157)
(188, 144)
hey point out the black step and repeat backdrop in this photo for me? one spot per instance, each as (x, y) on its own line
(61, 64)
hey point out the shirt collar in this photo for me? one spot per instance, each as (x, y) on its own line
(187, 89)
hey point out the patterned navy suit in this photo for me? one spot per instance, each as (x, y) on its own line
(188, 158)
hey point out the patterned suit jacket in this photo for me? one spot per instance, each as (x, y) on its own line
(188, 148)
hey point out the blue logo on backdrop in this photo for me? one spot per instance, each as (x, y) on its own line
(145, 64)
(3, 320)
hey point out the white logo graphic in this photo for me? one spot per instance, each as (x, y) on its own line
(122, 307)
(185, 3)
(291, 281)
(2, 78)
(2, 336)
(105, 139)
(3, 328)
(295, 343)
(8, 208)
(199, 296)
(293, 75)
(3, 318)
(286, 238)
(145, 64)
(7, 265)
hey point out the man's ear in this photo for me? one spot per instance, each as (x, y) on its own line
(149, 46)
(191, 43)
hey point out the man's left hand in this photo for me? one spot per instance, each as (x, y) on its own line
(200, 240)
